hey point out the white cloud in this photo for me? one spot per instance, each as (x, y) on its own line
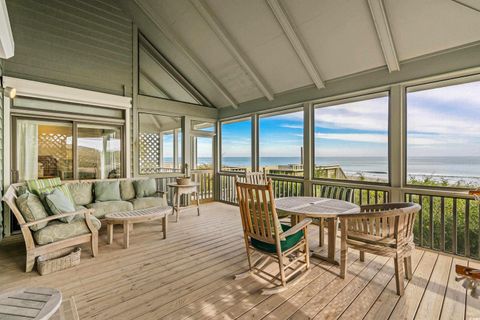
(355, 137)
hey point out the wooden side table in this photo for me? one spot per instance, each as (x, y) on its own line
(178, 190)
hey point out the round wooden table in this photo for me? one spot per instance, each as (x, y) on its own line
(313, 207)
(178, 190)
(30, 303)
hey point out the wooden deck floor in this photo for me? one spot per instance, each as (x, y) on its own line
(189, 275)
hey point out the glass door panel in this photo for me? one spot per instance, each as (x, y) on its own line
(43, 149)
(99, 152)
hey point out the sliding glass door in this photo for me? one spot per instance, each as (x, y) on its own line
(68, 150)
(99, 152)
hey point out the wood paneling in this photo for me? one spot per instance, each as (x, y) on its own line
(83, 44)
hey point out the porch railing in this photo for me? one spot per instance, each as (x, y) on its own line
(361, 194)
(447, 222)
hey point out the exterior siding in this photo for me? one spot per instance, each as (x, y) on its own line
(83, 44)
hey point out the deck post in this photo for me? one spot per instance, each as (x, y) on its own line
(308, 162)
(397, 142)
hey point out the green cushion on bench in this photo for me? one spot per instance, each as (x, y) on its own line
(57, 231)
(284, 244)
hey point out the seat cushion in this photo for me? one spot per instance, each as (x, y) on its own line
(103, 208)
(127, 191)
(82, 192)
(149, 202)
(32, 209)
(57, 230)
(145, 188)
(286, 244)
(107, 191)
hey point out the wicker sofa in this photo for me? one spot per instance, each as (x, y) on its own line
(54, 234)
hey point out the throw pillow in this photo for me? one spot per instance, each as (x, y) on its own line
(59, 203)
(107, 191)
(145, 188)
(32, 209)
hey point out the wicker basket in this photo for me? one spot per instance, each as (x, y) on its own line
(58, 260)
(184, 181)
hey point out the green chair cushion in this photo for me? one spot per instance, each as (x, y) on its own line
(107, 191)
(286, 244)
(127, 191)
(59, 203)
(145, 188)
(32, 209)
(82, 192)
(149, 202)
(57, 231)
(103, 208)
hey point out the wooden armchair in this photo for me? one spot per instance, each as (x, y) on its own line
(34, 250)
(263, 233)
(256, 177)
(384, 229)
(332, 192)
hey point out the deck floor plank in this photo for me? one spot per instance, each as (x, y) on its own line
(189, 275)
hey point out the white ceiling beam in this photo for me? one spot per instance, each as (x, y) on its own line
(469, 6)
(7, 46)
(289, 30)
(147, 10)
(209, 16)
(384, 34)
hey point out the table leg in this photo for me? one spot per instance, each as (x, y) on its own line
(198, 203)
(332, 237)
(126, 234)
(109, 233)
(164, 226)
(177, 196)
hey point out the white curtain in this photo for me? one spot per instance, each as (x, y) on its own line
(27, 146)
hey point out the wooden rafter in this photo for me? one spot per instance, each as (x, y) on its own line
(207, 14)
(170, 34)
(289, 29)
(382, 27)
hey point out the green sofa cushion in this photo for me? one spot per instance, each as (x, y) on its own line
(56, 230)
(32, 209)
(82, 192)
(59, 203)
(127, 190)
(148, 202)
(286, 244)
(103, 208)
(145, 188)
(107, 191)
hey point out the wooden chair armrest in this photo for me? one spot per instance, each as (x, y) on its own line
(86, 212)
(299, 226)
(367, 215)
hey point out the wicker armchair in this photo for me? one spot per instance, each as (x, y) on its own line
(385, 230)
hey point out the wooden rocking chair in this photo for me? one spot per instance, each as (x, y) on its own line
(263, 233)
(382, 229)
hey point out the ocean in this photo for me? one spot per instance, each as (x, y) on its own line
(452, 169)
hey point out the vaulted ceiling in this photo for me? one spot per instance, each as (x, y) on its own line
(235, 51)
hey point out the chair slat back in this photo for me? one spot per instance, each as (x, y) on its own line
(257, 209)
(391, 221)
(256, 178)
(336, 192)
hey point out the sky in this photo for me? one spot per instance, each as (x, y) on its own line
(440, 122)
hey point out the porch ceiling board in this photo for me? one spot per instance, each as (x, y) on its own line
(170, 34)
(209, 17)
(384, 35)
(289, 29)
